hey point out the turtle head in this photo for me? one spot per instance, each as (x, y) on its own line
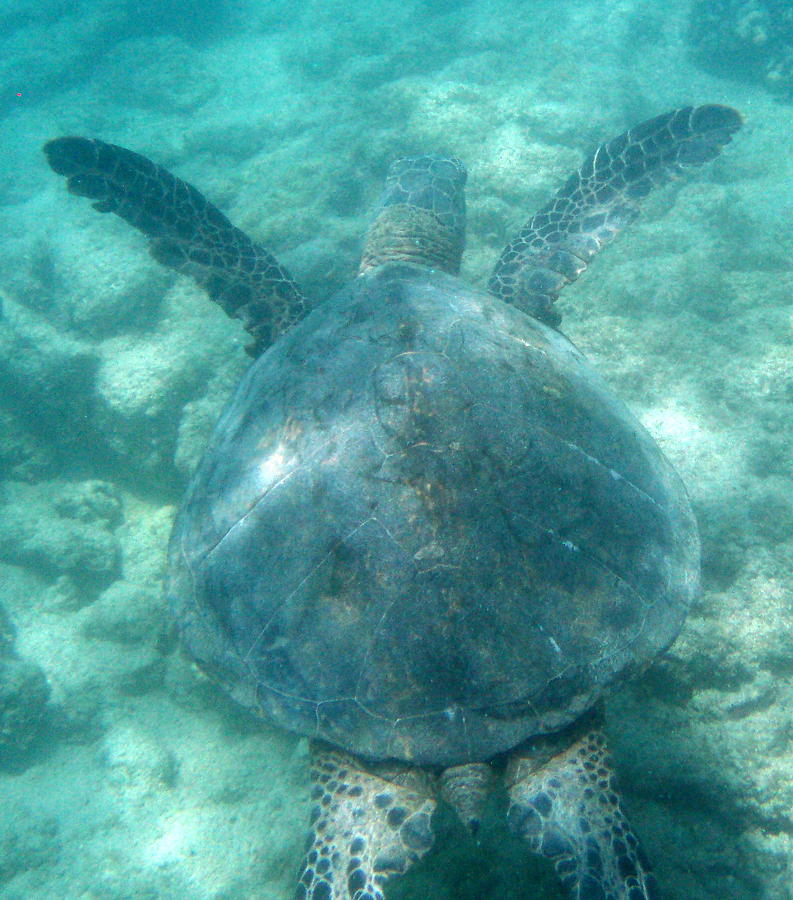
(421, 218)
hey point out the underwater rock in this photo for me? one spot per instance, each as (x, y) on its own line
(24, 693)
(145, 677)
(27, 844)
(126, 614)
(76, 372)
(159, 72)
(6, 632)
(144, 382)
(198, 419)
(89, 283)
(60, 528)
(141, 388)
(89, 501)
(136, 761)
(46, 378)
(747, 39)
(24, 455)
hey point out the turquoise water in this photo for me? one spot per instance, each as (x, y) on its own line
(124, 773)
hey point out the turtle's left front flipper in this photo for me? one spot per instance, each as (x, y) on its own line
(555, 246)
(564, 802)
(186, 233)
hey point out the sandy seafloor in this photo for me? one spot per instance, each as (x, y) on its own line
(123, 774)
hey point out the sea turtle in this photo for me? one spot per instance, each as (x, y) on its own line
(425, 534)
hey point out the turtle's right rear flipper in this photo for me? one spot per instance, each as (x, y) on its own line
(186, 232)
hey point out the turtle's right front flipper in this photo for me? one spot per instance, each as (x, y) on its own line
(186, 233)
(555, 246)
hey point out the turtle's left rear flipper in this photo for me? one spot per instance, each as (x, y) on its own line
(186, 232)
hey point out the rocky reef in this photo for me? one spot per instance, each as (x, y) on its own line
(745, 39)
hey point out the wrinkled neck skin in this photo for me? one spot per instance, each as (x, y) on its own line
(409, 234)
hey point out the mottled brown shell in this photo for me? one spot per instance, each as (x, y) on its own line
(425, 529)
